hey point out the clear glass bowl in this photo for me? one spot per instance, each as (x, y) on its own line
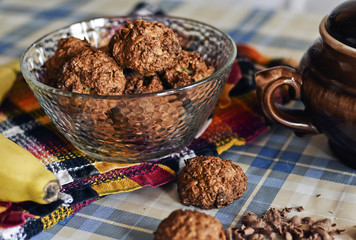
(132, 128)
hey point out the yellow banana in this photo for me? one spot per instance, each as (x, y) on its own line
(23, 177)
(8, 75)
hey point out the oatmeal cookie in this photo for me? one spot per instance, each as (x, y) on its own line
(210, 182)
(66, 49)
(138, 83)
(146, 47)
(189, 225)
(190, 68)
(92, 71)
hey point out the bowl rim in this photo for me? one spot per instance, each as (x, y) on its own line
(53, 90)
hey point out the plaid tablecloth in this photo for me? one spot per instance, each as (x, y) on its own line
(282, 169)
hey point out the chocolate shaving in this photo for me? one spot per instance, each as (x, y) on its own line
(289, 209)
(300, 209)
(275, 224)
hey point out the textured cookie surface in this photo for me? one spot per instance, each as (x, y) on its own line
(189, 225)
(146, 47)
(210, 182)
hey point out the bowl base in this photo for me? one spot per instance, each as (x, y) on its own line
(346, 156)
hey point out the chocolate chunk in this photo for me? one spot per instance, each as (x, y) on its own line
(251, 219)
(307, 220)
(288, 236)
(288, 209)
(296, 221)
(300, 209)
(275, 225)
(228, 234)
(248, 231)
(257, 236)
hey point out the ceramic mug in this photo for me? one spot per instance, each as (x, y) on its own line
(325, 82)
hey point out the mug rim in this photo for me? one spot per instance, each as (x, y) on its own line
(333, 42)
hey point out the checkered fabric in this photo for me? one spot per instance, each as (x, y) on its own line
(282, 169)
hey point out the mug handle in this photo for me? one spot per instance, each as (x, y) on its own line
(267, 81)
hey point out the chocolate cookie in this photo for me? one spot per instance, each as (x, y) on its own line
(189, 225)
(190, 68)
(146, 47)
(138, 83)
(92, 71)
(66, 49)
(210, 182)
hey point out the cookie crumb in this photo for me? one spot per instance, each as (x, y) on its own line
(300, 209)
(288, 209)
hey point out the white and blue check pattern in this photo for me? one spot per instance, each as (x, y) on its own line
(283, 170)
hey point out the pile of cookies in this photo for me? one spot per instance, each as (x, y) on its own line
(141, 57)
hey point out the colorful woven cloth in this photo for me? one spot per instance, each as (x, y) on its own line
(236, 121)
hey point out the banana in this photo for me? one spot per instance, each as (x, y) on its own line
(23, 177)
(8, 75)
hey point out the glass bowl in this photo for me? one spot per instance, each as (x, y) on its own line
(132, 128)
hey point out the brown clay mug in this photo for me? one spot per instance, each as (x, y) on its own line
(325, 82)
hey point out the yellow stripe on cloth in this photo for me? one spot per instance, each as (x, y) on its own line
(3, 209)
(168, 169)
(120, 185)
(108, 166)
(232, 142)
(59, 214)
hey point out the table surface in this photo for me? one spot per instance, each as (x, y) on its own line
(283, 170)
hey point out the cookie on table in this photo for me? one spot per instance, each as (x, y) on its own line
(189, 225)
(210, 182)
